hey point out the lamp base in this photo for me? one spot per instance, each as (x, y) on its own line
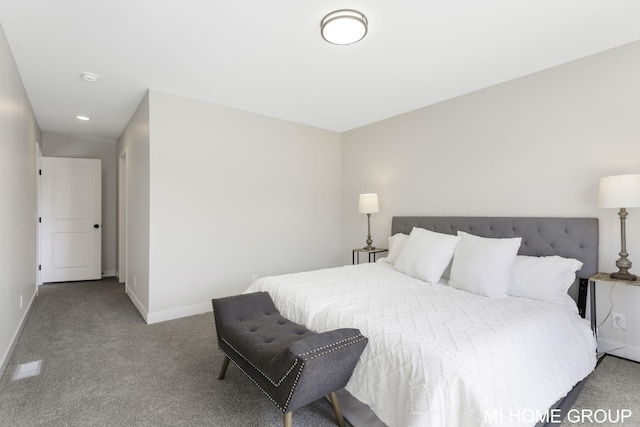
(368, 248)
(620, 275)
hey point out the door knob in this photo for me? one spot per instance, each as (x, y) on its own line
(96, 226)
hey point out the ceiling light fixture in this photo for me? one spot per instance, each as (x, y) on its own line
(83, 118)
(89, 77)
(344, 27)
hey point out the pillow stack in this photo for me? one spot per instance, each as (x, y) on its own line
(483, 266)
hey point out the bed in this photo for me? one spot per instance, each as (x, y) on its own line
(442, 356)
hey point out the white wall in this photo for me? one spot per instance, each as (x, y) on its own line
(535, 146)
(19, 134)
(59, 145)
(134, 141)
(235, 194)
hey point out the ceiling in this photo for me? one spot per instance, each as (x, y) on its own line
(268, 56)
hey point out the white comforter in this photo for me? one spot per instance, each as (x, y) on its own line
(438, 356)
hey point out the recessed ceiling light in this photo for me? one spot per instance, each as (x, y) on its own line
(89, 77)
(344, 27)
(83, 118)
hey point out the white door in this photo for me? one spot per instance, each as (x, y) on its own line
(70, 219)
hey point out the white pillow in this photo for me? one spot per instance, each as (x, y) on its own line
(482, 265)
(396, 243)
(426, 254)
(544, 278)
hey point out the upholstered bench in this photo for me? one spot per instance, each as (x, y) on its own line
(292, 365)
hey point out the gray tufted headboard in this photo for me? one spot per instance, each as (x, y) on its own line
(567, 237)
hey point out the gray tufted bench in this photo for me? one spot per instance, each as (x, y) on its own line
(292, 365)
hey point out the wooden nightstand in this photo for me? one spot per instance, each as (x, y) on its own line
(603, 277)
(373, 252)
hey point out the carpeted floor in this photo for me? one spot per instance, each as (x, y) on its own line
(612, 388)
(103, 366)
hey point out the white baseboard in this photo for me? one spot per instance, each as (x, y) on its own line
(134, 299)
(121, 279)
(628, 352)
(163, 316)
(4, 362)
(176, 313)
(108, 273)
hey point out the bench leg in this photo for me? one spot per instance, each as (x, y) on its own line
(336, 408)
(225, 365)
(288, 419)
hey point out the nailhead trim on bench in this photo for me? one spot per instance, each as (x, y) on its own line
(329, 348)
(263, 390)
(337, 345)
(257, 369)
(352, 340)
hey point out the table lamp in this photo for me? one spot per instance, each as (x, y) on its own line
(621, 191)
(368, 204)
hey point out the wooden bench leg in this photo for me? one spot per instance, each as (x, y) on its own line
(225, 365)
(336, 408)
(288, 419)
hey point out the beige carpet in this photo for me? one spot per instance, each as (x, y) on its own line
(612, 391)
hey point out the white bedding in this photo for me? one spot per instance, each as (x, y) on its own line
(438, 356)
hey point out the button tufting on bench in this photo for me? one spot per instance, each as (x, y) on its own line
(292, 365)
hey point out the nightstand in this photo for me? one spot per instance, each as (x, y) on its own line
(371, 252)
(603, 277)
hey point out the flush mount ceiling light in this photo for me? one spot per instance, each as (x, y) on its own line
(83, 118)
(89, 77)
(344, 27)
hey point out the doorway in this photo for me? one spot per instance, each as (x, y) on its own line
(70, 219)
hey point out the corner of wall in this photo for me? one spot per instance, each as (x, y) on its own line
(134, 299)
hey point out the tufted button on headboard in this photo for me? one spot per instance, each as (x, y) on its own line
(567, 237)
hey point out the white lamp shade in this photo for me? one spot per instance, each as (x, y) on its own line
(619, 191)
(368, 203)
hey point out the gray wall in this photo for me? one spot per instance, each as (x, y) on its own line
(231, 194)
(58, 145)
(235, 194)
(535, 146)
(19, 134)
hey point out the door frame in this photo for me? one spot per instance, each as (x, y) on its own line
(44, 233)
(122, 218)
(38, 214)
